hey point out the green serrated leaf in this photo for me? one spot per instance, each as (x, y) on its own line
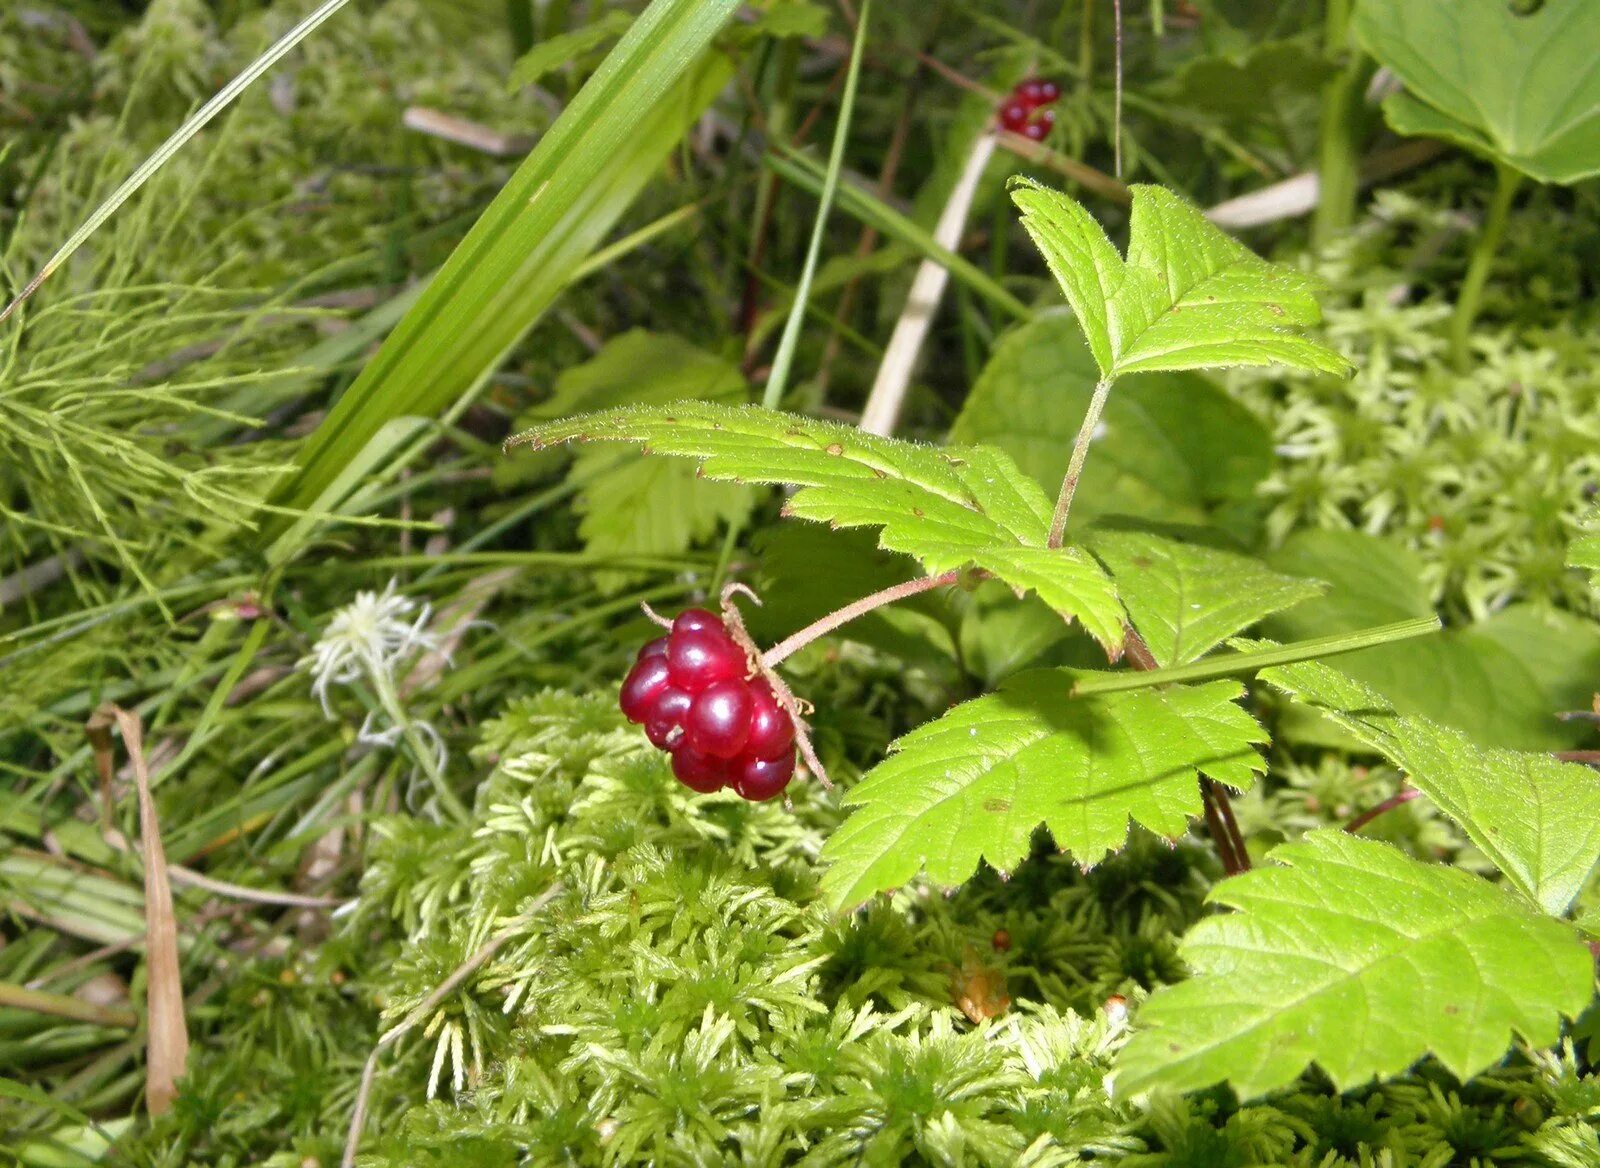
(949, 508)
(1187, 297)
(975, 784)
(1519, 87)
(1350, 954)
(1186, 599)
(1171, 446)
(1537, 818)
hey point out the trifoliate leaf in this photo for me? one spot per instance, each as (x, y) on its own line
(1350, 954)
(1537, 818)
(949, 508)
(1518, 86)
(1171, 446)
(1186, 599)
(1187, 297)
(976, 783)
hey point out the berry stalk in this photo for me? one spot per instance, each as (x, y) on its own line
(795, 642)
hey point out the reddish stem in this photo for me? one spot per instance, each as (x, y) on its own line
(794, 643)
(1224, 828)
(1399, 798)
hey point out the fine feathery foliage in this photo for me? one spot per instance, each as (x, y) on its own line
(1514, 82)
(977, 782)
(1537, 818)
(1186, 297)
(1349, 953)
(950, 508)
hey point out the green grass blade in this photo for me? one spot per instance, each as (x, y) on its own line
(533, 239)
(874, 212)
(790, 341)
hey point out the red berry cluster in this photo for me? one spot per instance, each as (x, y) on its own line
(1024, 113)
(690, 691)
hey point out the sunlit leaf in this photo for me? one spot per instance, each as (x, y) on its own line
(1187, 296)
(950, 508)
(976, 783)
(1352, 955)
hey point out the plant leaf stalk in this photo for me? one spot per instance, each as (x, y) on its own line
(1080, 452)
(1470, 299)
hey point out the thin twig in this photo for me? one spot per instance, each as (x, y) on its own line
(795, 642)
(1080, 451)
(444, 989)
(1220, 822)
(1403, 796)
(1116, 116)
(888, 394)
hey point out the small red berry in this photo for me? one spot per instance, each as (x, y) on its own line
(655, 648)
(663, 725)
(699, 657)
(696, 619)
(645, 682)
(700, 772)
(1046, 118)
(719, 721)
(771, 728)
(1013, 116)
(760, 779)
(1031, 91)
(1035, 131)
(1049, 91)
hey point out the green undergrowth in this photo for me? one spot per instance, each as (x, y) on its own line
(686, 999)
(1485, 473)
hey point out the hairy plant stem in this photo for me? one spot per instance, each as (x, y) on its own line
(1507, 180)
(1080, 451)
(1396, 800)
(793, 644)
(1224, 828)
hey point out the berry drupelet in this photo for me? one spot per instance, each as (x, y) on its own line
(692, 692)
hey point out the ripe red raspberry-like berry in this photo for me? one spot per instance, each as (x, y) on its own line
(1021, 113)
(695, 694)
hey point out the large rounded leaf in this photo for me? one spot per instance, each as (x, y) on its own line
(1523, 89)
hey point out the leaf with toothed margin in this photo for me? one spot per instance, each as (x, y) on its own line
(1535, 817)
(1353, 955)
(1187, 296)
(976, 783)
(950, 507)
